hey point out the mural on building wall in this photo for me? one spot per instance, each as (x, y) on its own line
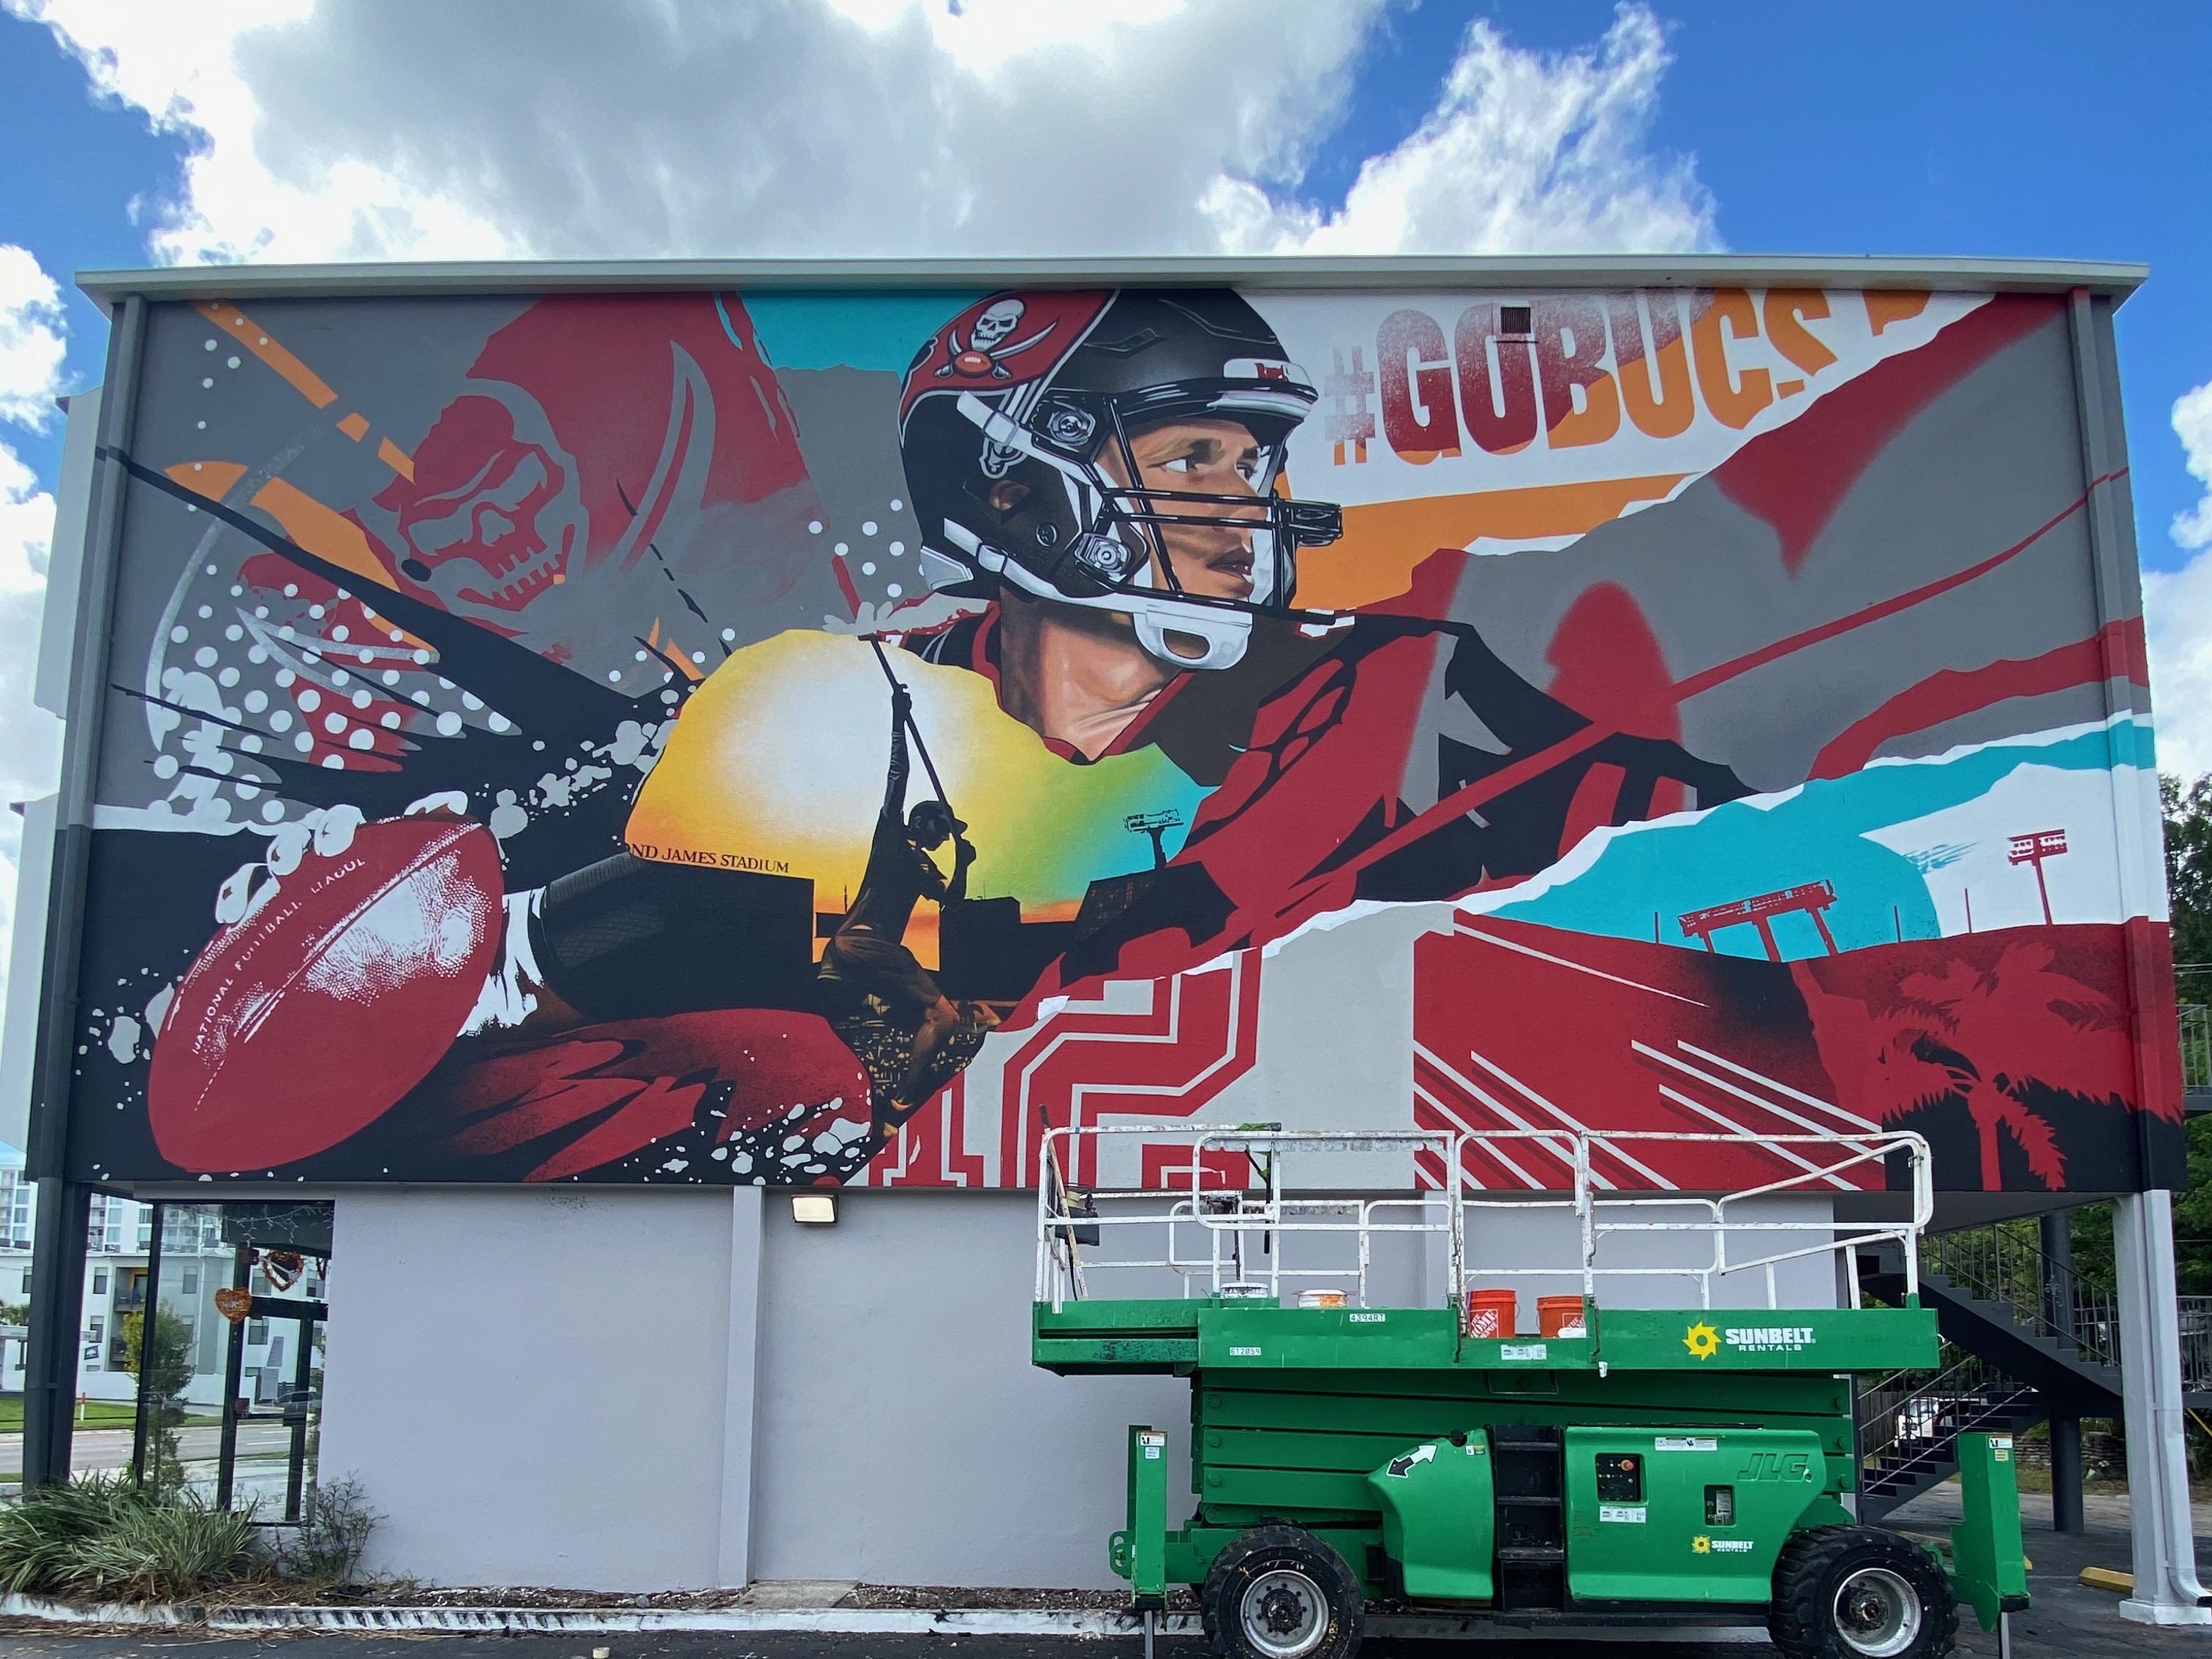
(814, 738)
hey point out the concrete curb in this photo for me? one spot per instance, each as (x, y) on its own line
(843, 1621)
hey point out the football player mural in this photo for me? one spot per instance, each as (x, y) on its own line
(820, 738)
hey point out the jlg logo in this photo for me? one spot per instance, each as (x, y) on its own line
(1777, 1465)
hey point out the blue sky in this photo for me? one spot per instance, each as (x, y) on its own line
(1987, 129)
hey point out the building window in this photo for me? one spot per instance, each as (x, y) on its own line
(191, 1284)
(256, 1333)
(27, 1281)
(98, 1333)
(100, 1284)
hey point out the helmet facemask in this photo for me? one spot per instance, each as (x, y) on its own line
(1101, 538)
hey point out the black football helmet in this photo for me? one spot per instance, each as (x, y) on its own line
(1040, 387)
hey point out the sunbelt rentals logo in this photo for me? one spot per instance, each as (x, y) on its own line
(1704, 1341)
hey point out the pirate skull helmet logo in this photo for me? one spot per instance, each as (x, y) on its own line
(494, 517)
(984, 351)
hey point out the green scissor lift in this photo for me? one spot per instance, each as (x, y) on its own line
(1665, 1466)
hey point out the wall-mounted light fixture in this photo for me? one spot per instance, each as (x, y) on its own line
(814, 1209)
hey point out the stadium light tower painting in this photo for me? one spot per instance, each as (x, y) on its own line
(2033, 849)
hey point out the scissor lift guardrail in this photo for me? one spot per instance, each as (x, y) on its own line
(1231, 1241)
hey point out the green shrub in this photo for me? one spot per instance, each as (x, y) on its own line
(325, 1548)
(40, 1536)
(164, 1552)
(100, 1537)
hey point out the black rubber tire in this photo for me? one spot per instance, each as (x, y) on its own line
(1812, 1571)
(1266, 1549)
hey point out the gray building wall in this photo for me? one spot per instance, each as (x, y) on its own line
(532, 1383)
(902, 1435)
(639, 1390)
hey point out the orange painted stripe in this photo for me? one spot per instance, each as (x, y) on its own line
(242, 328)
(1381, 543)
(397, 458)
(212, 479)
(354, 426)
(322, 531)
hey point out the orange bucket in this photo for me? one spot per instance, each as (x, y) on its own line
(1489, 1313)
(1560, 1316)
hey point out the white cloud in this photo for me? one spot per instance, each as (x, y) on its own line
(33, 340)
(2192, 424)
(2177, 611)
(367, 129)
(2177, 618)
(1523, 152)
(33, 344)
(2177, 629)
(27, 527)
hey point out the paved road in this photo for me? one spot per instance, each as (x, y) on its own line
(2066, 1620)
(110, 1449)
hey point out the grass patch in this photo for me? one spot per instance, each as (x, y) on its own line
(98, 1414)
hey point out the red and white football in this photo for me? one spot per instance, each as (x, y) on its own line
(312, 1015)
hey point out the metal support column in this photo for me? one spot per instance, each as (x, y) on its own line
(56, 1317)
(234, 1369)
(58, 1245)
(2066, 1475)
(2058, 1240)
(2167, 1588)
(150, 1325)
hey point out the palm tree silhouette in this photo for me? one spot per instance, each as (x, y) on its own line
(1986, 1035)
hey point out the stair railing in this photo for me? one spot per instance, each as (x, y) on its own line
(1910, 1424)
(2196, 1046)
(2048, 1298)
(2196, 1344)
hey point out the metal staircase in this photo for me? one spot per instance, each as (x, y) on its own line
(1909, 1425)
(2026, 1338)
